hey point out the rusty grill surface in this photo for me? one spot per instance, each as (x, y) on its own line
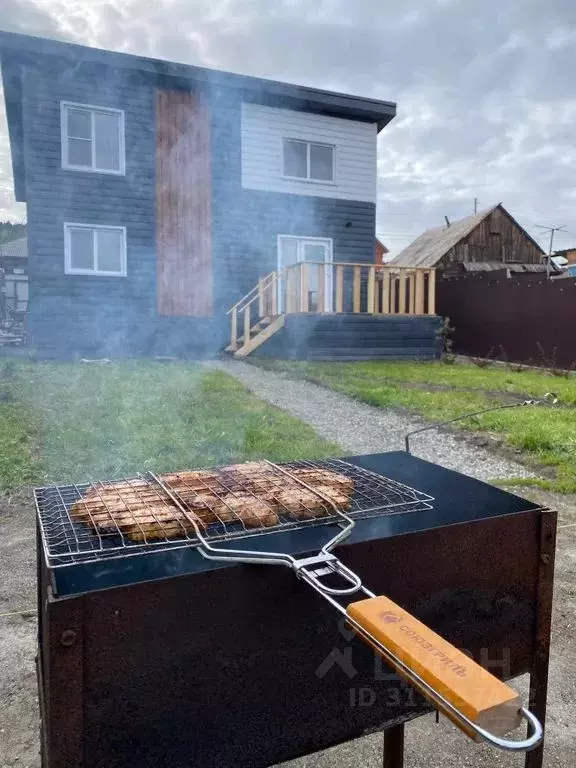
(66, 540)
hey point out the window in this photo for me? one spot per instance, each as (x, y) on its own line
(92, 138)
(305, 160)
(16, 292)
(94, 250)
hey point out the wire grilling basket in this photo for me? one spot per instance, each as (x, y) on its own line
(278, 494)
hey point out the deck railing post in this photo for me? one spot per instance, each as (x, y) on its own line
(339, 288)
(303, 286)
(246, 324)
(286, 290)
(274, 295)
(328, 286)
(371, 289)
(261, 296)
(385, 304)
(290, 303)
(411, 293)
(234, 330)
(402, 292)
(393, 281)
(356, 290)
(432, 292)
(321, 297)
(419, 292)
(270, 290)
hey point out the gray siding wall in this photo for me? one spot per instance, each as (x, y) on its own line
(103, 315)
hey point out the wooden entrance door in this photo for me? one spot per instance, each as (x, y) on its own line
(314, 250)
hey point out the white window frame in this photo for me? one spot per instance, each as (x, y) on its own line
(69, 270)
(11, 282)
(92, 108)
(308, 179)
(328, 277)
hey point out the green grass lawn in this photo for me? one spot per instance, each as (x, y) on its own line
(438, 392)
(77, 421)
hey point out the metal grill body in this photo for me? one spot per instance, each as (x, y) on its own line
(152, 656)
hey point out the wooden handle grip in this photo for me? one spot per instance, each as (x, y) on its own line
(472, 690)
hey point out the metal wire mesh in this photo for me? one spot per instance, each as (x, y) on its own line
(89, 521)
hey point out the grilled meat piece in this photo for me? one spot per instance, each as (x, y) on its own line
(303, 503)
(252, 512)
(326, 477)
(134, 508)
(233, 507)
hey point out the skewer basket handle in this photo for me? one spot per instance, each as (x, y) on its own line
(478, 703)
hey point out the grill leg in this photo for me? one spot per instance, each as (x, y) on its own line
(394, 747)
(539, 673)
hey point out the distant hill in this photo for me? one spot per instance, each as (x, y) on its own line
(9, 231)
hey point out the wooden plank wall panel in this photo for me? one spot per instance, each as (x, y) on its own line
(183, 209)
(498, 238)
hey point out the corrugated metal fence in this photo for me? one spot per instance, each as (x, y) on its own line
(523, 320)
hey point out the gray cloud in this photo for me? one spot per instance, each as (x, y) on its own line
(485, 91)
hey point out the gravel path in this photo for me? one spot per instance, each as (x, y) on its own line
(359, 428)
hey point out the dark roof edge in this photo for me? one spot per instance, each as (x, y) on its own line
(381, 112)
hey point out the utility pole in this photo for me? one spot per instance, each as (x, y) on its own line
(552, 230)
(475, 205)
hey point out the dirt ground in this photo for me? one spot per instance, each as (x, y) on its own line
(427, 744)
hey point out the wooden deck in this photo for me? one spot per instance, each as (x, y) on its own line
(348, 337)
(328, 289)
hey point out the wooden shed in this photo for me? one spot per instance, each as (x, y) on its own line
(491, 237)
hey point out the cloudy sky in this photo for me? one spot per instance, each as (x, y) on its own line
(486, 91)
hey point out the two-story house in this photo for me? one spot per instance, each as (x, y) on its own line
(176, 210)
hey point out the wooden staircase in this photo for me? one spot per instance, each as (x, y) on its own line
(259, 333)
(257, 314)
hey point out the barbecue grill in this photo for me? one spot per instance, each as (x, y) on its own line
(152, 654)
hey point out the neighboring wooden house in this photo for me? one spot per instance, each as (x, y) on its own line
(176, 210)
(486, 241)
(14, 276)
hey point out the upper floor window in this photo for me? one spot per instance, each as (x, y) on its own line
(308, 160)
(92, 138)
(93, 249)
